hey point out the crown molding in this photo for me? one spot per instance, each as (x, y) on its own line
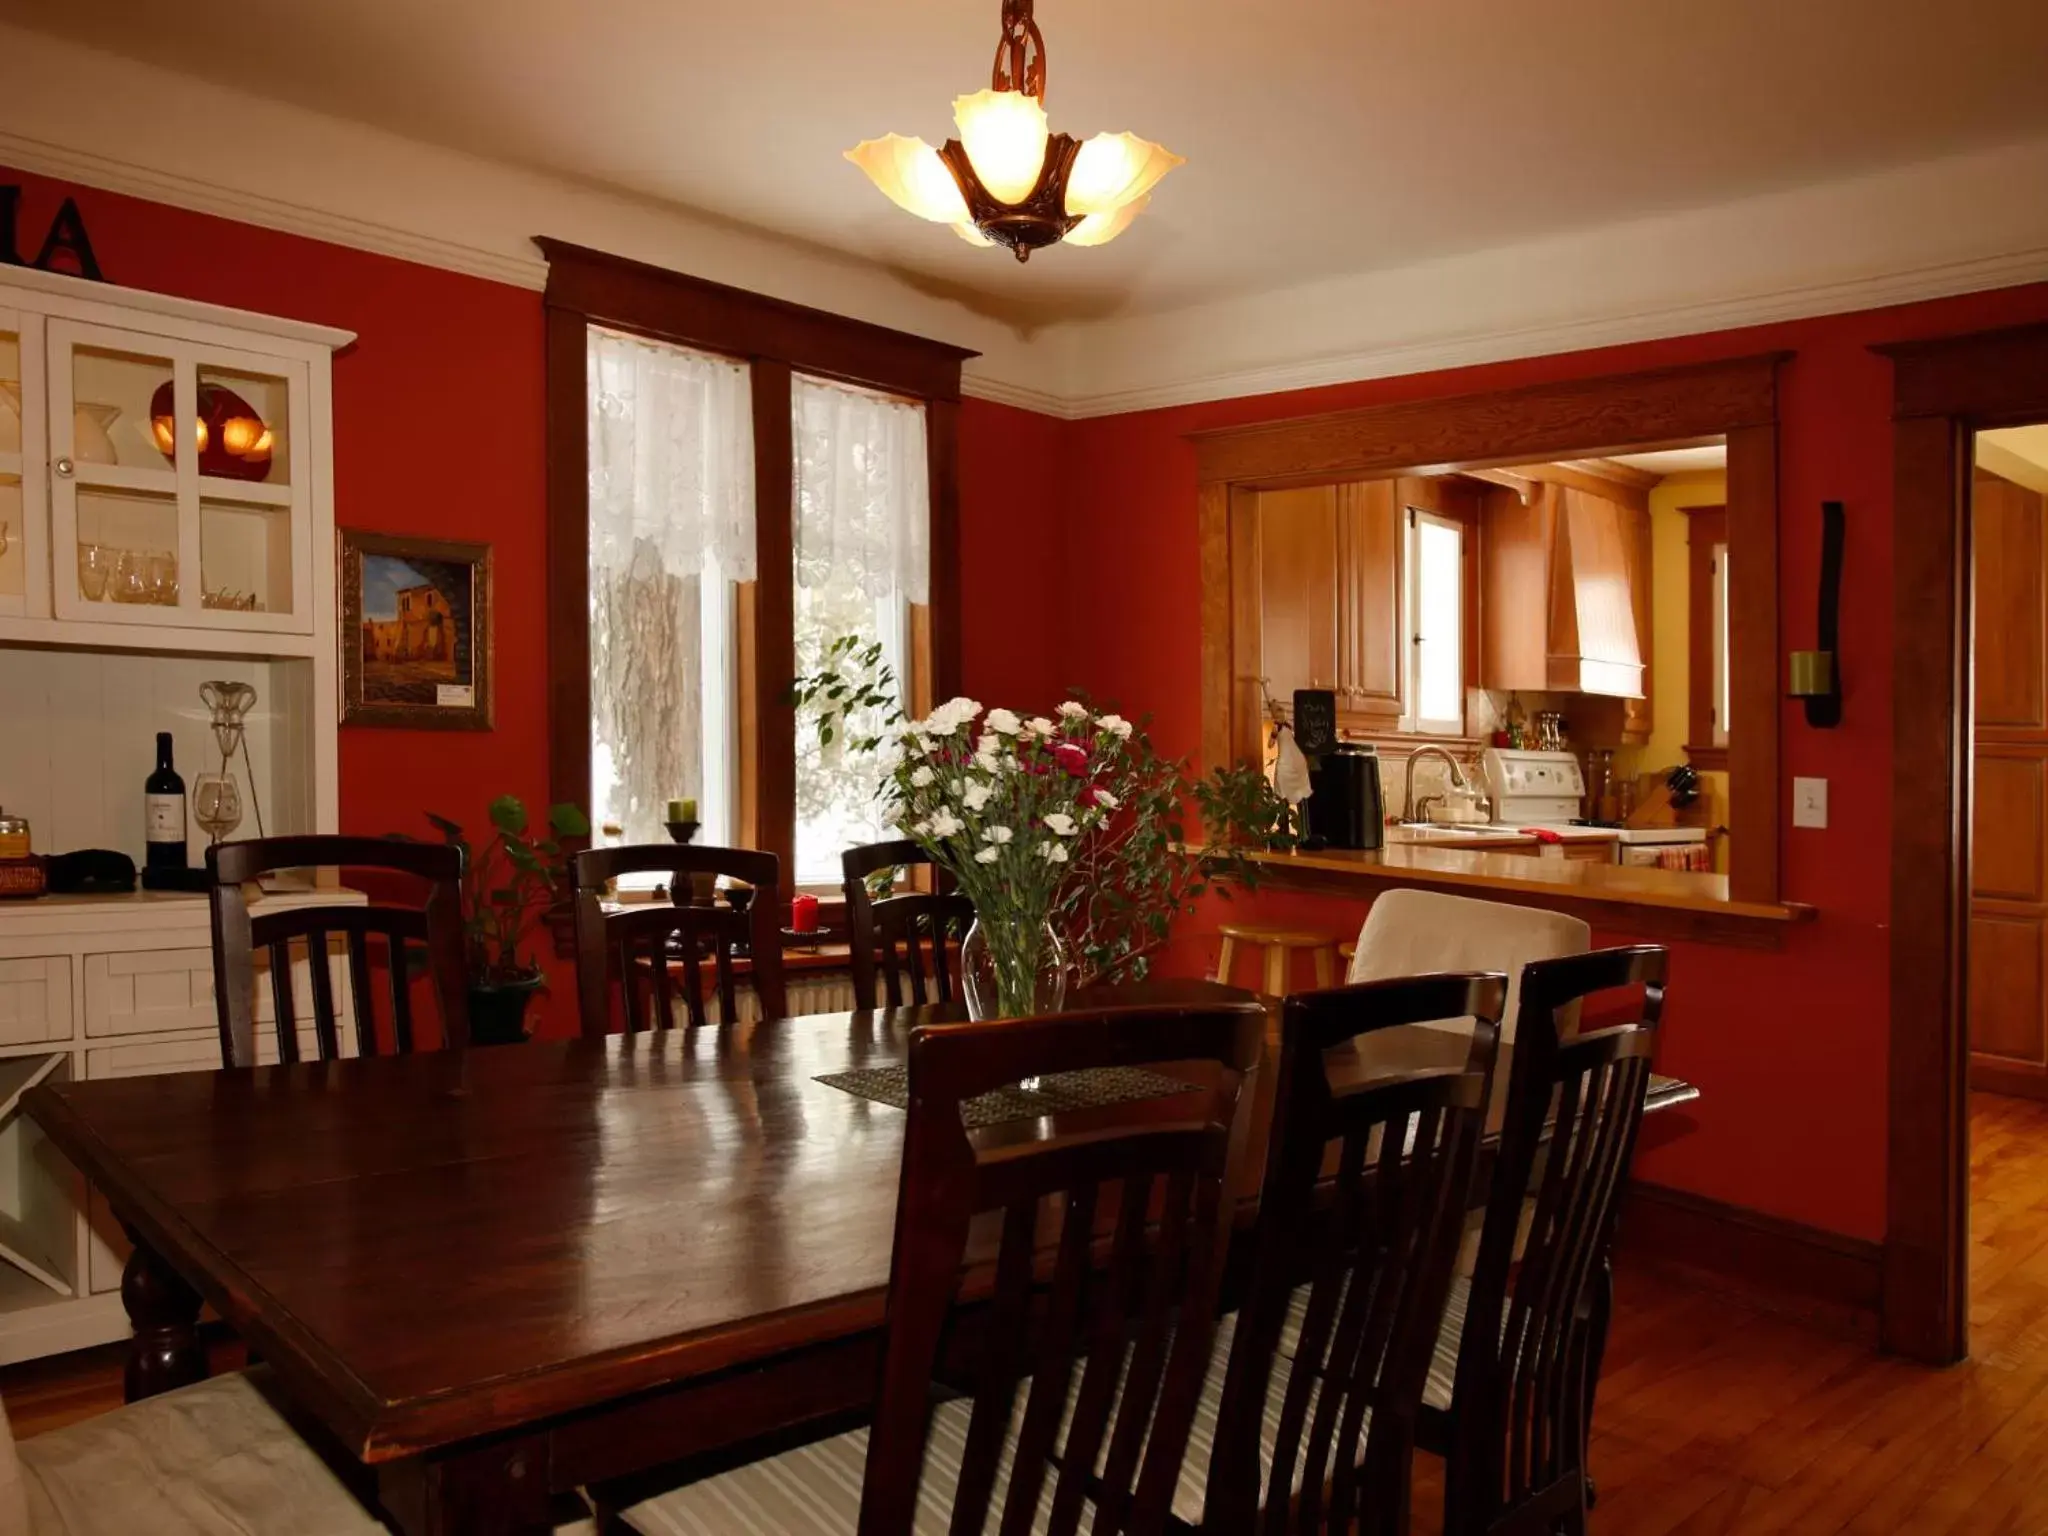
(195, 196)
(1022, 396)
(1940, 281)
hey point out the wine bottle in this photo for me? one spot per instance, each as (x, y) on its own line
(163, 817)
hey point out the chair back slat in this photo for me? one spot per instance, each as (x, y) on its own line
(1522, 1403)
(634, 946)
(899, 944)
(312, 929)
(1377, 1237)
(1092, 1179)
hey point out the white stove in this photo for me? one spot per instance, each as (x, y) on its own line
(1545, 792)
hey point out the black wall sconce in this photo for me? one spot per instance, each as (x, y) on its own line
(1817, 674)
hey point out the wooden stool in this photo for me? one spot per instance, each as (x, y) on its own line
(1279, 945)
(1346, 951)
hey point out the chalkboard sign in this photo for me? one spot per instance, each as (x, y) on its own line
(1315, 720)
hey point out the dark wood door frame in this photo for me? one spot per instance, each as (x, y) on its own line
(1944, 392)
(1736, 399)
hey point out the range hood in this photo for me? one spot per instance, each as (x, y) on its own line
(1563, 576)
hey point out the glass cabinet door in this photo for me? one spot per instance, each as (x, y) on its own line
(24, 556)
(179, 486)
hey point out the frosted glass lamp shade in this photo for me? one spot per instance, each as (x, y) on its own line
(912, 176)
(1114, 170)
(1101, 228)
(1004, 134)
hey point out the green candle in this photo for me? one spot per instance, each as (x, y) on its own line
(682, 810)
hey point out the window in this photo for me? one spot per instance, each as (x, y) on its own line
(1707, 648)
(733, 481)
(1436, 613)
(862, 551)
(671, 533)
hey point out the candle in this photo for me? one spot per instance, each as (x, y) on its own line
(803, 912)
(682, 810)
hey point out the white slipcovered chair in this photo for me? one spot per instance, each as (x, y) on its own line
(214, 1459)
(1411, 933)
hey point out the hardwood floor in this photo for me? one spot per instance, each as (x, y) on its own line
(1716, 1417)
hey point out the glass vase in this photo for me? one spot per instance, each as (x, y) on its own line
(1013, 970)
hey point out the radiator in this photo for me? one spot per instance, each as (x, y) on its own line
(809, 994)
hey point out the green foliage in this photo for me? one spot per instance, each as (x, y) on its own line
(1241, 809)
(852, 681)
(510, 884)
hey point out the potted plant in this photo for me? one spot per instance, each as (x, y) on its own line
(507, 887)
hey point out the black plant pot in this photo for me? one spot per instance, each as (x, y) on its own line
(497, 1014)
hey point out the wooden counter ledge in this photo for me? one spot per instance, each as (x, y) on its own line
(1615, 898)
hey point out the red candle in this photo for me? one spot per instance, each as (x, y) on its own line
(803, 912)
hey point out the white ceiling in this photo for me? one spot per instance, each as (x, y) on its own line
(1677, 461)
(1323, 136)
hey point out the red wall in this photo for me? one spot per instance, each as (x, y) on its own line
(438, 432)
(1788, 1048)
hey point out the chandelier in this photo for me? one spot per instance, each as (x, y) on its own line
(1007, 180)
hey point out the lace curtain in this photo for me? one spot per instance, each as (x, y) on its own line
(863, 502)
(671, 528)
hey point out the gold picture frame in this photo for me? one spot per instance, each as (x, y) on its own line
(416, 639)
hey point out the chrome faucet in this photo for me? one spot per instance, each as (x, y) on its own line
(1408, 788)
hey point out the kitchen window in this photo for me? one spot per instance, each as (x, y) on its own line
(1435, 559)
(1707, 638)
(733, 483)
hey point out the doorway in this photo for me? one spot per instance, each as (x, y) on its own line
(1962, 908)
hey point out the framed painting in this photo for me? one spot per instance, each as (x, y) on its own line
(415, 632)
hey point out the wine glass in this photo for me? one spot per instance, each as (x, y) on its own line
(130, 581)
(163, 580)
(94, 567)
(216, 804)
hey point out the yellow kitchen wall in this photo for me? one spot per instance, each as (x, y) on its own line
(1669, 599)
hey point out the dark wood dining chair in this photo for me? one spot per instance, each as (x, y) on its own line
(1133, 1203)
(435, 924)
(1520, 1349)
(635, 943)
(898, 944)
(1366, 1186)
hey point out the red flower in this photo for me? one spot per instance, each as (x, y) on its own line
(1070, 757)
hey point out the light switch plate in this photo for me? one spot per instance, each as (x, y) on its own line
(1809, 802)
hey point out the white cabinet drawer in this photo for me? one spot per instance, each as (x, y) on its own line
(148, 991)
(160, 991)
(35, 999)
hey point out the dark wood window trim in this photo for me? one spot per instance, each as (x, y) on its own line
(1736, 400)
(1944, 392)
(777, 339)
(1705, 528)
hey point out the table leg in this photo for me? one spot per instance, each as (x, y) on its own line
(495, 1489)
(165, 1351)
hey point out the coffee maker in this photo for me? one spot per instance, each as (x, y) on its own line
(1344, 808)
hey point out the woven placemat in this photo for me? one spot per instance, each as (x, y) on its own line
(1092, 1089)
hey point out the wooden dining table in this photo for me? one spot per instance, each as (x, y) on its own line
(497, 1275)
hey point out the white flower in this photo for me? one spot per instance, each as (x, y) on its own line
(1061, 823)
(1052, 853)
(921, 829)
(988, 856)
(1072, 711)
(987, 763)
(1117, 726)
(1002, 722)
(975, 796)
(921, 777)
(957, 787)
(944, 824)
(950, 716)
(997, 835)
(1038, 725)
(985, 744)
(1106, 800)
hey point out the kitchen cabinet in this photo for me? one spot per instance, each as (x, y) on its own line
(1565, 583)
(1325, 570)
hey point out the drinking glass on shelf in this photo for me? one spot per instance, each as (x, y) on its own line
(95, 565)
(163, 580)
(130, 580)
(216, 804)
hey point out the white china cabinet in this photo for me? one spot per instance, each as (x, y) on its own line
(166, 519)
